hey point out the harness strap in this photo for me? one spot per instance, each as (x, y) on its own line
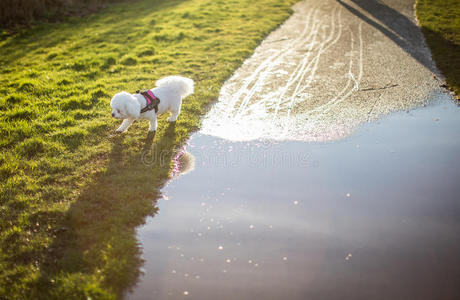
(152, 100)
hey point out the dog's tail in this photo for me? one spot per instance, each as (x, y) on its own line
(184, 86)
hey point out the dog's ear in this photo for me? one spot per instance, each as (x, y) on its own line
(133, 108)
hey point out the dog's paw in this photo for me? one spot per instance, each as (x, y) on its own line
(171, 119)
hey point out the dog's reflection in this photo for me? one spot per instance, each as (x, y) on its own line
(183, 163)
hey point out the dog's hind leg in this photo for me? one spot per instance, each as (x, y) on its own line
(124, 126)
(174, 115)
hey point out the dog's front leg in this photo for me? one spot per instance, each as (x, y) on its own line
(124, 126)
(153, 123)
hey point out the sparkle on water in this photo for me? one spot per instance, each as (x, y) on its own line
(306, 235)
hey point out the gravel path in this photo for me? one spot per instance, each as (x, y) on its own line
(330, 67)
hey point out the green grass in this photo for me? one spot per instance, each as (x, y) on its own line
(440, 22)
(71, 190)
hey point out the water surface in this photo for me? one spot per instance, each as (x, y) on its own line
(372, 216)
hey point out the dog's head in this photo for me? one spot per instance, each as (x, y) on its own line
(124, 105)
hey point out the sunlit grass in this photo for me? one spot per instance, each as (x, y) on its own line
(72, 192)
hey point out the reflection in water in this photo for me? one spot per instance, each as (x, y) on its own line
(183, 163)
(373, 216)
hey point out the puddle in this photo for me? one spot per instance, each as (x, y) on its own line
(320, 210)
(371, 216)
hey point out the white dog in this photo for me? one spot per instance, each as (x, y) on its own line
(169, 92)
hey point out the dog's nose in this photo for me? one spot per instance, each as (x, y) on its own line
(113, 114)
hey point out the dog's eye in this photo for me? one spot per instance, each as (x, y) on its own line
(118, 111)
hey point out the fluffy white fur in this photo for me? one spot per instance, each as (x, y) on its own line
(170, 90)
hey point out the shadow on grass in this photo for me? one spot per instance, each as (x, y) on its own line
(446, 54)
(97, 241)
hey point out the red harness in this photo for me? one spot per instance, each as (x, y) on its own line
(152, 101)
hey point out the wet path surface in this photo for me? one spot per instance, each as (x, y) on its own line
(332, 66)
(372, 216)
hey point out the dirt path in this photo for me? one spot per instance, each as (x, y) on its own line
(332, 66)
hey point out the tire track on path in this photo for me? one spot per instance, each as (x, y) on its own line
(285, 51)
(266, 64)
(306, 80)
